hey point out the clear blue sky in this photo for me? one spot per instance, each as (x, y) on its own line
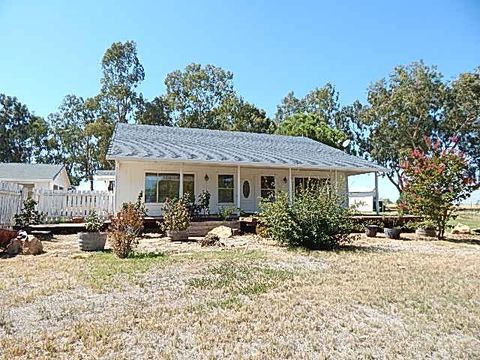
(52, 48)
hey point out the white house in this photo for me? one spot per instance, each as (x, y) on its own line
(237, 168)
(35, 176)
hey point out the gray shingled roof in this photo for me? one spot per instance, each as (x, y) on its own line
(149, 142)
(29, 171)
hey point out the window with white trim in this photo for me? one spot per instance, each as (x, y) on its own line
(267, 187)
(225, 188)
(162, 186)
(312, 182)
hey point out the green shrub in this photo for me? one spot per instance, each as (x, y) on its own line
(315, 219)
(93, 222)
(226, 212)
(176, 215)
(29, 216)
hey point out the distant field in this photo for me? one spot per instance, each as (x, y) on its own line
(468, 217)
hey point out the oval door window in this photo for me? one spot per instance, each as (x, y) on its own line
(246, 189)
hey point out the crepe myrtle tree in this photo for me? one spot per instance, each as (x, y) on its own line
(436, 181)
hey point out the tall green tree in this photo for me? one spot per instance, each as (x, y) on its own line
(196, 93)
(24, 136)
(322, 102)
(313, 127)
(155, 112)
(122, 73)
(236, 114)
(412, 102)
(76, 145)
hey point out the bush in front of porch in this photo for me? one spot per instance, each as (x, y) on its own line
(315, 219)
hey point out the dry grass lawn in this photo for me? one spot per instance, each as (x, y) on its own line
(377, 298)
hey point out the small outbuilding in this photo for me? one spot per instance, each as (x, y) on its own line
(35, 176)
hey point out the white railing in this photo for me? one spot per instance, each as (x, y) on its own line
(58, 205)
(11, 199)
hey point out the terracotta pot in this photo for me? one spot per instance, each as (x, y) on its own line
(421, 232)
(177, 235)
(371, 231)
(92, 241)
(392, 233)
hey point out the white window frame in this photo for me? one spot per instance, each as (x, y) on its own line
(260, 185)
(171, 172)
(234, 188)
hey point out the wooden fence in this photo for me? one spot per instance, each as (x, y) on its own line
(11, 199)
(60, 205)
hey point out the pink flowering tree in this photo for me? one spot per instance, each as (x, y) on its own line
(436, 181)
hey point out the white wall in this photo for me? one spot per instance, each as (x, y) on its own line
(131, 180)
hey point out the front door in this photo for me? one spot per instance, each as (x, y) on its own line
(247, 191)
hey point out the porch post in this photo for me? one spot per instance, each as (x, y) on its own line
(238, 190)
(377, 200)
(181, 181)
(290, 185)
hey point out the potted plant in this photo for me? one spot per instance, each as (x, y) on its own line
(425, 228)
(176, 219)
(391, 230)
(371, 228)
(92, 239)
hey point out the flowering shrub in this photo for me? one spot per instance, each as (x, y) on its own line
(436, 181)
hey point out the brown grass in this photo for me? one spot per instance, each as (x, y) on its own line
(374, 299)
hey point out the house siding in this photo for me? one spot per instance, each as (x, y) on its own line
(130, 181)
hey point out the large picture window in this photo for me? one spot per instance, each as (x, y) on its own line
(160, 186)
(315, 183)
(225, 188)
(267, 187)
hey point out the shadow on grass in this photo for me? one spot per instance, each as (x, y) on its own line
(469, 241)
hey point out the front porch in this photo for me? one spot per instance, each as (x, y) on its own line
(240, 187)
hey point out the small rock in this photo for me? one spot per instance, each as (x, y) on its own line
(32, 246)
(476, 231)
(223, 232)
(14, 247)
(461, 229)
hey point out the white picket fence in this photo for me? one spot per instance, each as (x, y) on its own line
(60, 205)
(11, 199)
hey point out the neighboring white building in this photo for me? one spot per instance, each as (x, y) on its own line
(237, 168)
(35, 176)
(104, 180)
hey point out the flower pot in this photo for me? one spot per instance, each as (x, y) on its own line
(92, 241)
(392, 233)
(371, 231)
(177, 235)
(422, 232)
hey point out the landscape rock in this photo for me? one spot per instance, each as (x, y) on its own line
(32, 246)
(211, 240)
(461, 229)
(223, 232)
(14, 247)
(476, 231)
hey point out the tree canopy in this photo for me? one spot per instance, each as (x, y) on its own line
(415, 101)
(313, 127)
(24, 136)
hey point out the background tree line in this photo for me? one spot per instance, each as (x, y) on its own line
(412, 102)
